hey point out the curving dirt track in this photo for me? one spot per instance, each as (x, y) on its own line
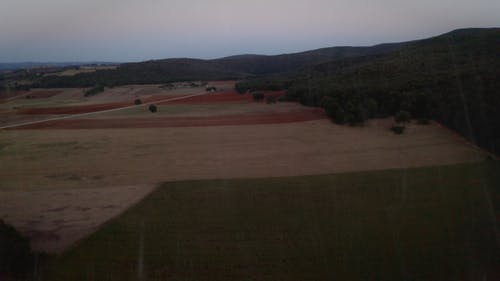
(83, 108)
(309, 114)
(6, 96)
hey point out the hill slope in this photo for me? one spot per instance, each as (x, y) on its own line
(453, 78)
(235, 67)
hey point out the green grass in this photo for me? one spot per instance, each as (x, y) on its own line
(418, 224)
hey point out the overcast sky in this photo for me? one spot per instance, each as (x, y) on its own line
(134, 30)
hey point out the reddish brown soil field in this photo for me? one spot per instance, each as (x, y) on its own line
(226, 120)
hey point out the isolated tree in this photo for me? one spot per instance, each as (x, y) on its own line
(153, 108)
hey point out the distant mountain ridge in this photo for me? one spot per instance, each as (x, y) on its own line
(232, 67)
(10, 66)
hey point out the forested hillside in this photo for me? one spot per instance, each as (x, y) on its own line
(453, 78)
(184, 69)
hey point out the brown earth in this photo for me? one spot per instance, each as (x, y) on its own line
(165, 122)
(41, 159)
(53, 220)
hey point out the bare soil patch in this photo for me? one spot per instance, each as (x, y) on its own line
(55, 219)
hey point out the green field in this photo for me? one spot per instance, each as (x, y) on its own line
(419, 224)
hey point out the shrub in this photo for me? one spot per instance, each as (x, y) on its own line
(398, 130)
(258, 96)
(211, 89)
(138, 101)
(153, 108)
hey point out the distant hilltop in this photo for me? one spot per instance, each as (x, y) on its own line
(10, 66)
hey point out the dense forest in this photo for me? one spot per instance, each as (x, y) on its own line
(453, 78)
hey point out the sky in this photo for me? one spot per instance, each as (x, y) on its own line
(137, 30)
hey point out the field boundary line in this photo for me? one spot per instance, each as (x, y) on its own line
(466, 141)
(100, 111)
